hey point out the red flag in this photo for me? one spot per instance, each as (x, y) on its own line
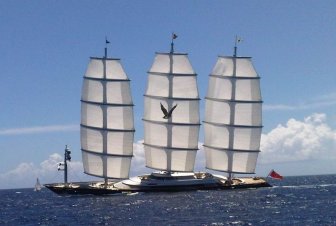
(275, 175)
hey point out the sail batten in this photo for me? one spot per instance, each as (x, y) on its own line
(111, 178)
(175, 74)
(106, 79)
(236, 78)
(173, 98)
(107, 154)
(172, 123)
(173, 148)
(107, 126)
(106, 104)
(107, 129)
(233, 101)
(232, 125)
(234, 150)
(233, 116)
(230, 171)
(171, 114)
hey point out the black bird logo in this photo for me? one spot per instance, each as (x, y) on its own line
(167, 114)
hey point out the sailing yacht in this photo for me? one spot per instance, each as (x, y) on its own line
(232, 126)
(38, 186)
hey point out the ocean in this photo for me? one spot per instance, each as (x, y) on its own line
(299, 200)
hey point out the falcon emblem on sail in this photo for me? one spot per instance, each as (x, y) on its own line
(167, 114)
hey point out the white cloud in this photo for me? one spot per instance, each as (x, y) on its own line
(138, 162)
(309, 139)
(25, 174)
(320, 101)
(39, 129)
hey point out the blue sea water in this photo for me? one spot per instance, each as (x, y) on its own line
(301, 200)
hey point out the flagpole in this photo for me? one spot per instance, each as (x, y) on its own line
(106, 42)
(235, 47)
(172, 44)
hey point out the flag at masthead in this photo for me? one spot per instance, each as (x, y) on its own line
(174, 36)
(237, 40)
(106, 42)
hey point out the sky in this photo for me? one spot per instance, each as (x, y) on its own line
(45, 47)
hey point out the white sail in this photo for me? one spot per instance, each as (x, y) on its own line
(38, 186)
(107, 126)
(171, 143)
(233, 116)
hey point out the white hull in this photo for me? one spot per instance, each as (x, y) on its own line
(185, 181)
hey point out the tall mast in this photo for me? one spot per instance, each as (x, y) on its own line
(170, 104)
(233, 107)
(105, 115)
(67, 157)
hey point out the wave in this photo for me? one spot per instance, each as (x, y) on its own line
(305, 186)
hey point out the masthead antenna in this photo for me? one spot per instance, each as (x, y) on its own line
(237, 40)
(174, 36)
(106, 42)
